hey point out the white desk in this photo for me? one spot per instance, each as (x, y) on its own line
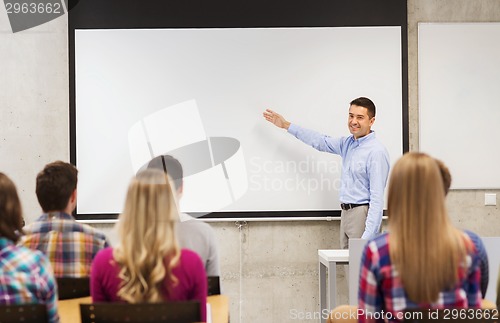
(329, 259)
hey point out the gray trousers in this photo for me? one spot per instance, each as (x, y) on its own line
(352, 224)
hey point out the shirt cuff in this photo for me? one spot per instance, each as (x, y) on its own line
(368, 235)
(293, 129)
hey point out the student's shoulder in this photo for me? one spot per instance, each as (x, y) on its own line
(104, 263)
(39, 224)
(104, 255)
(378, 244)
(23, 251)
(27, 258)
(380, 240)
(472, 235)
(189, 258)
(376, 253)
(195, 225)
(85, 228)
(191, 225)
(475, 238)
(477, 241)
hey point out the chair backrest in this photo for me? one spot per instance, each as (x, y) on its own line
(356, 247)
(33, 313)
(213, 285)
(491, 246)
(167, 312)
(72, 287)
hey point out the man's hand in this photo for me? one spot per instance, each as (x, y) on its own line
(276, 119)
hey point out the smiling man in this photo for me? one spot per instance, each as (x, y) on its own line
(364, 172)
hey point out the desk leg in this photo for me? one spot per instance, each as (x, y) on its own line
(322, 290)
(332, 285)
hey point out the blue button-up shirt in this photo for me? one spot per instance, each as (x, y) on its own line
(365, 168)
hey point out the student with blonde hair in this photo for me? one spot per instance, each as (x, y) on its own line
(192, 233)
(423, 261)
(147, 265)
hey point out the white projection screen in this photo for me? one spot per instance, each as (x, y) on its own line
(199, 93)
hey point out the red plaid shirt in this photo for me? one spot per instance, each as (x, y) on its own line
(382, 295)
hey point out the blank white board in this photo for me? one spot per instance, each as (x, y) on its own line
(459, 85)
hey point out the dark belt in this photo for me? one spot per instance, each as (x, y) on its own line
(348, 206)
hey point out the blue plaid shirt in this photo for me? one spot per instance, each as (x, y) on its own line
(483, 261)
(26, 277)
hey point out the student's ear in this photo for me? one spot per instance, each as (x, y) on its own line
(72, 200)
(372, 121)
(180, 190)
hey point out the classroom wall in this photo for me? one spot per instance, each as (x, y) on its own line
(270, 269)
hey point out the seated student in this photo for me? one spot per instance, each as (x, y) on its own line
(25, 275)
(478, 243)
(423, 261)
(192, 233)
(70, 245)
(147, 265)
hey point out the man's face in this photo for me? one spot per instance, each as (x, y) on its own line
(359, 122)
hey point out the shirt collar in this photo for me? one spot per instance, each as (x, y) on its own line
(4, 242)
(366, 138)
(56, 215)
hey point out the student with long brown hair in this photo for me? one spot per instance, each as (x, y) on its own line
(26, 275)
(147, 265)
(423, 261)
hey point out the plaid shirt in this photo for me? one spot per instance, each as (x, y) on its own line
(381, 290)
(483, 263)
(70, 245)
(26, 278)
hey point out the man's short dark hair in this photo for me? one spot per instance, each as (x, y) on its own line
(55, 184)
(365, 103)
(169, 165)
